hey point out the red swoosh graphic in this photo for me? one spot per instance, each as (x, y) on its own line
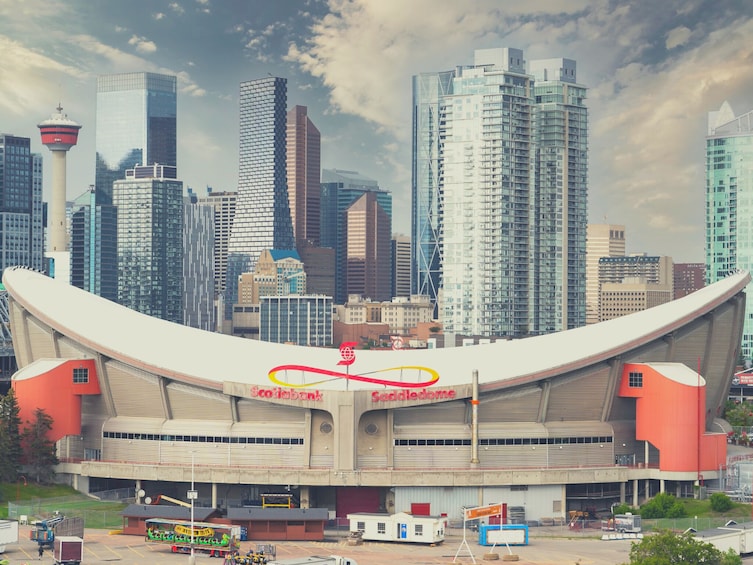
(363, 378)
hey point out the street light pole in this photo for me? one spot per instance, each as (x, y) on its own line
(192, 495)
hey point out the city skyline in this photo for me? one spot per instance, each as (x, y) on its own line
(653, 73)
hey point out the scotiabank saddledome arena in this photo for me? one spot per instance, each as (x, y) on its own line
(616, 411)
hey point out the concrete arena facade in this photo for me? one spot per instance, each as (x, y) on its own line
(557, 422)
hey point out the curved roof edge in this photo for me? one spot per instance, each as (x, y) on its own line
(207, 358)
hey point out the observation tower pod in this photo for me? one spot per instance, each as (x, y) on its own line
(59, 134)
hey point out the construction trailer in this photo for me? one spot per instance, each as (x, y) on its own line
(400, 527)
(8, 533)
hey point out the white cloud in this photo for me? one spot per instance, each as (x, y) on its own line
(158, 16)
(142, 44)
(177, 8)
(677, 37)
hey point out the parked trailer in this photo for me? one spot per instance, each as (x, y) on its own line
(623, 523)
(8, 533)
(316, 560)
(218, 540)
(68, 550)
(400, 527)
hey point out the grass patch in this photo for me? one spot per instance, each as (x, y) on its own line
(41, 501)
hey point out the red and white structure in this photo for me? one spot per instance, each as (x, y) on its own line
(59, 134)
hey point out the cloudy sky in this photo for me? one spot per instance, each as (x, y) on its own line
(654, 70)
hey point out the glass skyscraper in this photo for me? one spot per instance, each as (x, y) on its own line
(136, 125)
(340, 189)
(426, 267)
(94, 240)
(500, 194)
(21, 207)
(262, 212)
(729, 203)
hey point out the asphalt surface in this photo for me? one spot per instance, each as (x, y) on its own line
(546, 547)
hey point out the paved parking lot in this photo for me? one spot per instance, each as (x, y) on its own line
(545, 548)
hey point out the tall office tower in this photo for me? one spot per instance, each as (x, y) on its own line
(94, 236)
(224, 212)
(59, 134)
(688, 277)
(559, 200)
(340, 188)
(729, 183)
(429, 90)
(198, 265)
(149, 205)
(262, 214)
(508, 166)
(602, 240)
(136, 125)
(21, 207)
(401, 263)
(304, 174)
(319, 263)
(368, 259)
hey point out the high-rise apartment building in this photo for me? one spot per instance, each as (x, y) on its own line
(21, 207)
(729, 182)
(340, 188)
(368, 255)
(262, 213)
(688, 277)
(304, 175)
(149, 204)
(602, 240)
(401, 262)
(500, 192)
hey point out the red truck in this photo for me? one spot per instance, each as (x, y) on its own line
(68, 550)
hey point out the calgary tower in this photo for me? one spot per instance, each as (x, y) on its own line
(59, 134)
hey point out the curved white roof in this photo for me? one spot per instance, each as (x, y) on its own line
(208, 359)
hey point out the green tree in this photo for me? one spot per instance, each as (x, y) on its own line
(39, 449)
(720, 502)
(663, 505)
(10, 438)
(668, 548)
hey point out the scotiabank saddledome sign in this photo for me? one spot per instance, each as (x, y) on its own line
(289, 390)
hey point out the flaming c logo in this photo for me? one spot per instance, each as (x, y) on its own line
(348, 357)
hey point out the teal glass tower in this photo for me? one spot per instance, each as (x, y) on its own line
(729, 203)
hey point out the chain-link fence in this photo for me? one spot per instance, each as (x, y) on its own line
(96, 514)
